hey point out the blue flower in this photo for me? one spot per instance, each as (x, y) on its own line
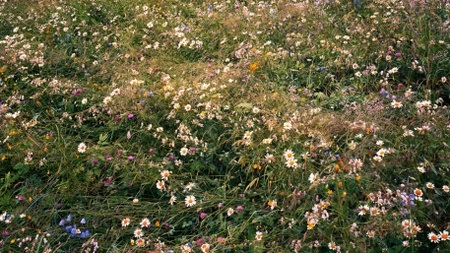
(73, 232)
(83, 221)
(384, 92)
(85, 234)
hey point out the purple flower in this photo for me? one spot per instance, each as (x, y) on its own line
(130, 158)
(5, 233)
(130, 116)
(239, 209)
(203, 216)
(77, 91)
(107, 181)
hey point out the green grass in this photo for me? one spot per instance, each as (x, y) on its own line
(296, 126)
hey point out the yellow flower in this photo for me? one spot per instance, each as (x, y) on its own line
(336, 168)
(272, 204)
(253, 66)
(311, 224)
(256, 166)
(330, 191)
(157, 223)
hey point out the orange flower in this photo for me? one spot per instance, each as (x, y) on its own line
(253, 66)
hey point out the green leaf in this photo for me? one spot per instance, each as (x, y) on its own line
(102, 139)
(245, 105)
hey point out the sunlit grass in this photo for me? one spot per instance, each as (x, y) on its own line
(201, 126)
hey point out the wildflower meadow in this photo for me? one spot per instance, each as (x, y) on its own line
(224, 126)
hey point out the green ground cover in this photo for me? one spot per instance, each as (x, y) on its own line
(224, 126)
